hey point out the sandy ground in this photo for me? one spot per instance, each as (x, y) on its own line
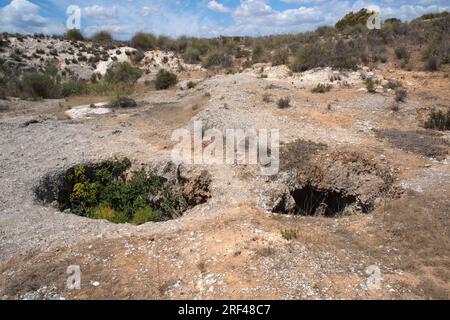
(229, 247)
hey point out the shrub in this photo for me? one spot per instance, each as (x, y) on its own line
(102, 36)
(165, 79)
(432, 63)
(217, 59)
(40, 85)
(370, 86)
(122, 72)
(143, 41)
(146, 214)
(308, 57)
(400, 94)
(401, 53)
(343, 57)
(73, 88)
(280, 57)
(321, 88)
(191, 56)
(191, 85)
(353, 19)
(74, 35)
(438, 120)
(284, 103)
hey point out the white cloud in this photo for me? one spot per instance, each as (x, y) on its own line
(22, 16)
(217, 6)
(99, 12)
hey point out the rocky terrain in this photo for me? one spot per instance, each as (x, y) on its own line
(381, 230)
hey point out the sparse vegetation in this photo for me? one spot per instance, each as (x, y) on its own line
(122, 72)
(321, 88)
(289, 234)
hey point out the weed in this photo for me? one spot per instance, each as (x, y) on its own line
(284, 103)
(321, 88)
(289, 234)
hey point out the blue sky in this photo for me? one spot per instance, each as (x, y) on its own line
(206, 18)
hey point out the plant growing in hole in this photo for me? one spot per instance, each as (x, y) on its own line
(103, 193)
(322, 88)
(284, 103)
(289, 234)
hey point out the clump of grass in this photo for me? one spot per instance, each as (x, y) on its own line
(321, 88)
(165, 79)
(289, 234)
(284, 103)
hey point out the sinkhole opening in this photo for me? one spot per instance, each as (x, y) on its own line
(317, 202)
(110, 191)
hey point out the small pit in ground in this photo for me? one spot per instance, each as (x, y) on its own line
(111, 191)
(310, 201)
(318, 181)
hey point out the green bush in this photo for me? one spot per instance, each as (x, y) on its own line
(102, 36)
(74, 35)
(217, 59)
(165, 79)
(122, 72)
(143, 41)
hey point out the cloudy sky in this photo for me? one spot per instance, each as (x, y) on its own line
(197, 17)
